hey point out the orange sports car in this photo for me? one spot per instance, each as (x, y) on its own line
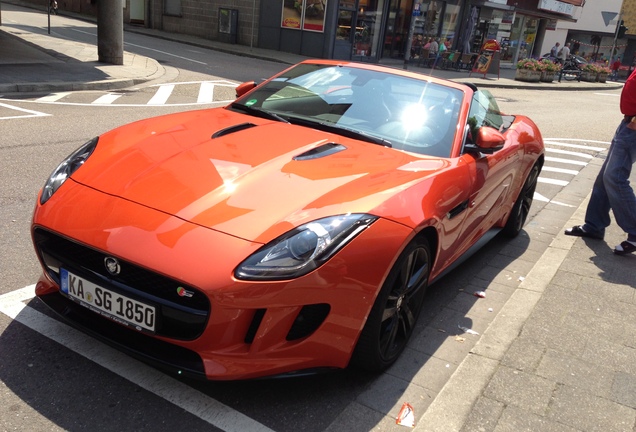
(293, 230)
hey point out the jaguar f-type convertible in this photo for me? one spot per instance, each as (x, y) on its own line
(293, 230)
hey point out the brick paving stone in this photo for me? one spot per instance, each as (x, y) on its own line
(484, 416)
(589, 413)
(518, 388)
(515, 419)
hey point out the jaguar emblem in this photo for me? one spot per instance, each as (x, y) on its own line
(112, 266)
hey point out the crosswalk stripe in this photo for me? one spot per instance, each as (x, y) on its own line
(578, 146)
(571, 153)
(553, 181)
(162, 95)
(206, 92)
(106, 99)
(565, 161)
(560, 170)
(53, 97)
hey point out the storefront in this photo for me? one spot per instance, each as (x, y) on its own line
(368, 30)
(516, 33)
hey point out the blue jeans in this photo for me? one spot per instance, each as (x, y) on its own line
(611, 188)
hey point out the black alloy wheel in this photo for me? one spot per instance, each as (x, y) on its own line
(521, 209)
(396, 309)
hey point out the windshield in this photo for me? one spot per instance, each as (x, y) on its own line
(400, 112)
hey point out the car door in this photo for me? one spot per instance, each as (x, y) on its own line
(492, 174)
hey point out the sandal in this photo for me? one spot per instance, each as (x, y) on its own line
(625, 248)
(578, 231)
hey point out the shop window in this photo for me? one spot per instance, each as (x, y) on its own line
(172, 7)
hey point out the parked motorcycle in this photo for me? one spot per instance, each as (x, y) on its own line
(571, 68)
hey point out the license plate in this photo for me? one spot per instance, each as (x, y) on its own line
(108, 303)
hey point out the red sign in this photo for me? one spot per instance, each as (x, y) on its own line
(491, 45)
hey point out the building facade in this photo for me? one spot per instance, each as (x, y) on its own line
(362, 30)
(594, 34)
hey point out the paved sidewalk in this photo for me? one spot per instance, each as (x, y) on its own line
(560, 354)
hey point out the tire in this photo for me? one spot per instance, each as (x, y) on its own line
(521, 209)
(396, 309)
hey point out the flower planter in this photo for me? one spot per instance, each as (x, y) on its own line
(528, 75)
(602, 77)
(547, 76)
(588, 76)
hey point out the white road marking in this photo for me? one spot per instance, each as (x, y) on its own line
(53, 97)
(205, 97)
(162, 95)
(565, 161)
(539, 197)
(185, 397)
(560, 170)
(206, 93)
(106, 99)
(553, 181)
(578, 146)
(576, 140)
(571, 153)
(30, 112)
(165, 53)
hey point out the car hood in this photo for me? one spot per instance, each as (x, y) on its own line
(248, 177)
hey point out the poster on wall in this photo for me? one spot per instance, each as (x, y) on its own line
(292, 14)
(304, 14)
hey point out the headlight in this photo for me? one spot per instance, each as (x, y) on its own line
(66, 169)
(303, 249)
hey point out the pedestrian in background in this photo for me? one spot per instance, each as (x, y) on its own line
(564, 53)
(554, 52)
(615, 67)
(611, 190)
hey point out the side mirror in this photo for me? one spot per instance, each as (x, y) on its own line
(244, 88)
(488, 140)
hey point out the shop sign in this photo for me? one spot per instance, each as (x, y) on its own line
(304, 14)
(556, 6)
(488, 59)
(574, 2)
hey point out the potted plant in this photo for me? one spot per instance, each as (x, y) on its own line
(529, 70)
(589, 72)
(603, 73)
(548, 70)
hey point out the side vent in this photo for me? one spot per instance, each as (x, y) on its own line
(232, 129)
(256, 322)
(308, 320)
(320, 151)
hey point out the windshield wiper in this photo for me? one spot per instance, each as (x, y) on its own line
(340, 130)
(256, 112)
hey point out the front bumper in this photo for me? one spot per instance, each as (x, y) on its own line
(237, 329)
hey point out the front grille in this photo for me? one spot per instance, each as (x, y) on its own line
(179, 317)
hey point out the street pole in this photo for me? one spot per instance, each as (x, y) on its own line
(409, 41)
(618, 24)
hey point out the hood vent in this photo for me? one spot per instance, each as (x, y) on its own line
(232, 129)
(320, 151)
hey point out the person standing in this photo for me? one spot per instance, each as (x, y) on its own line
(615, 67)
(564, 54)
(554, 52)
(611, 190)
